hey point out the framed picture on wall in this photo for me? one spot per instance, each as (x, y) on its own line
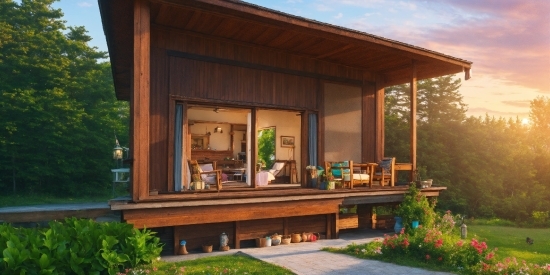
(287, 141)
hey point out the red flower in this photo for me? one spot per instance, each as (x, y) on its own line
(438, 243)
(427, 257)
(405, 243)
(440, 259)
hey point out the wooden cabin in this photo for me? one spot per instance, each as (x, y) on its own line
(204, 77)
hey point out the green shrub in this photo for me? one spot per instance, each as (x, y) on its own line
(76, 246)
(416, 207)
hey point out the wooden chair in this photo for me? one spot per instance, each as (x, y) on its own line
(362, 174)
(385, 171)
(341, 170)
(198, 175)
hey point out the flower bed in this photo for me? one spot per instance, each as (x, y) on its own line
(434, 246)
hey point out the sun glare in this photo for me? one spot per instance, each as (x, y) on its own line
(525, 121)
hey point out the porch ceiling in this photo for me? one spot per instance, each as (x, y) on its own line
(251, 24)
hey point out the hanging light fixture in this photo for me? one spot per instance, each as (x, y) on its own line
(218, 129)
(117, 151)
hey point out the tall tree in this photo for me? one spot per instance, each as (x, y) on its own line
(57, 106)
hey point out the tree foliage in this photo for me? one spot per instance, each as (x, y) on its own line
(492, 167)
(58, 112)
(266, 146)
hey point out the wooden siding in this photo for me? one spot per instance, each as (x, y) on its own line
(198, 68)
(202, 80)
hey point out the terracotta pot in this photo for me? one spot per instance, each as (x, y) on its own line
(207, 248)
(295, 237)
(286, 239)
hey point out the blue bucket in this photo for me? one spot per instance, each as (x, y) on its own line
(414, 224)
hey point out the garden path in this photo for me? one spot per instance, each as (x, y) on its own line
(307, 258)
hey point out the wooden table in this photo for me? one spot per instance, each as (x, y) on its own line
(234, 172)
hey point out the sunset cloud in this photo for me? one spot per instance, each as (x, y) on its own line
(509, 40)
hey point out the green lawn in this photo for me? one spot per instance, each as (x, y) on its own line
(510, 241)
(229, 264)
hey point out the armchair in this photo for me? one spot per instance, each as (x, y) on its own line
(205, 173)
(385, 172)
(341, 171)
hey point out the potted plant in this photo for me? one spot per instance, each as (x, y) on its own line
(415, 207)
(330, 181)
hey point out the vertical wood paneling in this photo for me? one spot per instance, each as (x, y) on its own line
(160, 122)
(320, 122)
(207, 80)
(369, 123)
(195, 43)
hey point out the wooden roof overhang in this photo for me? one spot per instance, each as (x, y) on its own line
(390, 60)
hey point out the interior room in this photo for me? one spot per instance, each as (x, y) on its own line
(219, 138)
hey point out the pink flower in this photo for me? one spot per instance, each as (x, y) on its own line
(460, 243)
(427, 257)
(402, 230)
(489, 256)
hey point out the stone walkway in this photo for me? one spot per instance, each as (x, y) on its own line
(308, 259)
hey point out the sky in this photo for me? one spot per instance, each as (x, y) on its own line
(508, 41)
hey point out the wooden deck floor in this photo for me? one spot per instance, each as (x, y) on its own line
(357, 195)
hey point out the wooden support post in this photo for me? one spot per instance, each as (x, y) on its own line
(336, 225)
(330, 218)
(237, 237)
(364, 215)
(413, 98)
(140, 101)
(253, 145)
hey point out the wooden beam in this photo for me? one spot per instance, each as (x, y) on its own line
(251, 13)
(230, 213)
(260, 67)
(379, 130)
(140, 101)
(413, 118)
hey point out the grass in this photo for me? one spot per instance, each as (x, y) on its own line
(510, 242)
(237, 263)
(7, 200)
